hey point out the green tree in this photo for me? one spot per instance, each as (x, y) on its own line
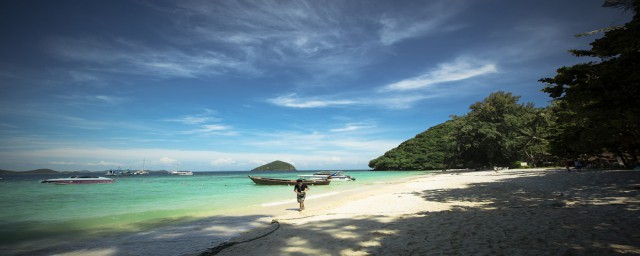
(498, 131)
(598, 102)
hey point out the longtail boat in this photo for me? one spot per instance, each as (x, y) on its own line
(272, 181)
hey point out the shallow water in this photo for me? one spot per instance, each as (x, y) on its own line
(32, 210)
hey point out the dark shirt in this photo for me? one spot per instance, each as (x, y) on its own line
(300, 188)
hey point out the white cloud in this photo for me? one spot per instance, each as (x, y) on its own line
(93, 99)
(211, 129)
(207, 116)
(392, 31)
(292, 101)
(460, 69)
(435, 16)
(120, 56)
(353, 127)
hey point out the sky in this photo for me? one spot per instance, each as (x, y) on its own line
(231, 85)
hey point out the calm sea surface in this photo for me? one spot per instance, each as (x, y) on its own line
(33, 210)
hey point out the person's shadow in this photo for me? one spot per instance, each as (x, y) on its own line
(293, 209)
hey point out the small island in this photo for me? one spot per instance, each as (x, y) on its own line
(38, 171)
(275, 166)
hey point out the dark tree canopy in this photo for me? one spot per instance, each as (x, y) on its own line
(597, 102)
(498, 131)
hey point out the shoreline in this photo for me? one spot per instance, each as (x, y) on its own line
(530, 212)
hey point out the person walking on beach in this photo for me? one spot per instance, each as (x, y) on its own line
(301, 191)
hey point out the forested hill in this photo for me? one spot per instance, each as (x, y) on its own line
(38, 171)
(498, 131)
(425, 151)
(275, 166)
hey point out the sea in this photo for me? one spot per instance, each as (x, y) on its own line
(31, 210)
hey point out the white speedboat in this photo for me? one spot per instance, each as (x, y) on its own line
(330, 175)
(183, 173)
(79, 180)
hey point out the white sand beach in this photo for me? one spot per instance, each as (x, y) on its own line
(512, 212)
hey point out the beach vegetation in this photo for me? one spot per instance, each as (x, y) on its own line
(596, 103)
(497, 131)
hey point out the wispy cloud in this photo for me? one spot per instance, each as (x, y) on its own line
(310, 36)
(293, 101)
(206, 116)
(436, 16)
(460, 69)
(138, 58)
(338, 142)
(353, 127)
(6, 125)
(93, 99)
(202, 124)
(211, 129)
(252, 37)
(399, 95)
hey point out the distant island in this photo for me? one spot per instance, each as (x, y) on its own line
(275, 166)
(38, 171)
(49, 171)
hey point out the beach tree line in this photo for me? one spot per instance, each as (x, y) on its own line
(497, 131)
(597, 103)
(594, 110)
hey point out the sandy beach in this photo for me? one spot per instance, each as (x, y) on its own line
(512, 212)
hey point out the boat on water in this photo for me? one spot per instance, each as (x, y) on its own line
(141, 172)
(79, 180)
(182, 173)
(273, 181)
(329, 175)
(118, 173)
(112, 173)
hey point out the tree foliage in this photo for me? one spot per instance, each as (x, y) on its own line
(496, 132)
(597, 102)
(427, 150)
(499, 131)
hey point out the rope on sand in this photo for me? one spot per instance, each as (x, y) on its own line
(215, 250)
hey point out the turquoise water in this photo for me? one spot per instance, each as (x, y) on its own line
(33, 210)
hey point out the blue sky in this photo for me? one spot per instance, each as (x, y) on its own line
(231, 85)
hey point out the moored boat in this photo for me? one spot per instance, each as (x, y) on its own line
(79, 180)
(332, 175)
(273, 181)
(183, 173)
